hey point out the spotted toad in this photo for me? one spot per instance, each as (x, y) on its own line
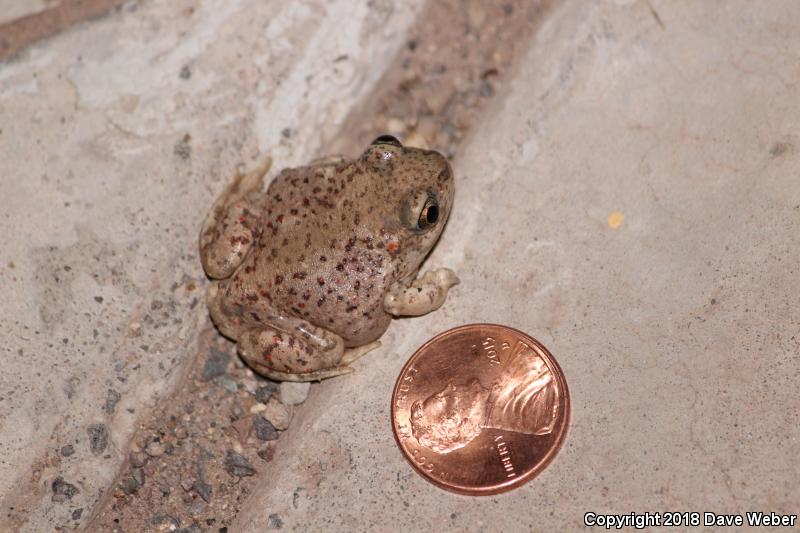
(308, 275)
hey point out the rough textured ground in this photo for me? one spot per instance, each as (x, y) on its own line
(631, 199)
(221, 419)
(110, 155)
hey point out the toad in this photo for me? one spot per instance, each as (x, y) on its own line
(308, 275)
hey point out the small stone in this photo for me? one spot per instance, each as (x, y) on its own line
(112, 400)
(243, 426)
(395, 126)
(204, 490)
(76, 514)
(237, 465)
(236, 412)
(278, 414)
(155, 449)
(135, 329)
(275, 521)
(181, 433)
(129, 485)
(227, 383)
(416, 140)
(267, 453)
(138, 459)
(170, 523)
(257, 408)
(264, 392)
(138, 475)
(149, 468)
(185, 72)
(183, 150)
(215, 365)
(264, 429)
(187, 483)
(98, 438)
(294, 393)
(67, 450)
(196, 508)
(62, 491)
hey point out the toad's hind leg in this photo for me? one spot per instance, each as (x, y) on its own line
(301, 352)
(229, 228)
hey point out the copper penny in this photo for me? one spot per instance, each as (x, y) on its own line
(480, 409)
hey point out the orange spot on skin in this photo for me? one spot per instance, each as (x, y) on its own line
(393, 246)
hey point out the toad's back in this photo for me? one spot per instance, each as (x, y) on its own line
(315, 257)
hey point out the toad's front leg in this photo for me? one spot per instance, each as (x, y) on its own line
(229, 229)
(425, 294)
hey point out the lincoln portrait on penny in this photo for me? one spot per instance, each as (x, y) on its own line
(523, 399)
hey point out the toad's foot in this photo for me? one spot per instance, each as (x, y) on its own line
(228, 231)
(351, 354)
(424, 295)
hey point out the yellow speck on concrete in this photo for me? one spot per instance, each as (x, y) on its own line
(615, 219)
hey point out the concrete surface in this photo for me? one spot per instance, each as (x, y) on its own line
(632, 200)
(14, 9)
(114, 138)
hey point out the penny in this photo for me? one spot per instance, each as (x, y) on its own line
(480, 409)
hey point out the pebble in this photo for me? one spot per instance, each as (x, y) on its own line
(416, 140)
(181, 432)
(76, 514)
(267, 453)
(196, 508)
(155, 449)
(264, 393)
(98, 438)
(62, 491)
(67, 450)
(227, 383)
(216, 365)
(204, 490)
(187, 483)
(264, 429)
(129, 485)
(138, 475)
(395, 126)
(275, 521)
(293, 393)
(278, 414)
(237, 464)
(257, 408)
(138, 459)
(111, 401)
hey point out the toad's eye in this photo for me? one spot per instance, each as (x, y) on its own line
(387, 139)
(429, 214)
(420, 211)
